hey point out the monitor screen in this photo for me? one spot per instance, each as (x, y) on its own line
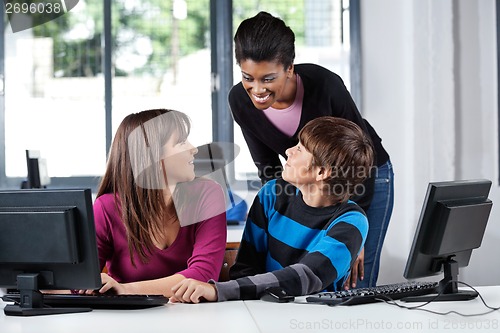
(47, 242)
(211, 162)
(451, 225)
(38, 176)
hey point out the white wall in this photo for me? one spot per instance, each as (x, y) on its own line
(430, 91)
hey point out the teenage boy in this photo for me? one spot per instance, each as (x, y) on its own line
(302, 233)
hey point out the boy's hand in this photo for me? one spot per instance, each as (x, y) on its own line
(193, 291)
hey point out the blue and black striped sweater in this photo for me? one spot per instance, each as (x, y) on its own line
(289, 244)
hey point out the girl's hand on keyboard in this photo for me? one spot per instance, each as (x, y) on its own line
(193, 291)
(109, 286)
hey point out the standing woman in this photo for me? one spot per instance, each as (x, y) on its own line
(276, 98)
(155, 223)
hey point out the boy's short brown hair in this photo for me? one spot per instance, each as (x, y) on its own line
(343, 149)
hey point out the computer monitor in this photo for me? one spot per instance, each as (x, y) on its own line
(451, 225)
(37, 171)
(47, 242)
(211, 161)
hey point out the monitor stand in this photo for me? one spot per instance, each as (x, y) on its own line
(31, 300)
(447, 289)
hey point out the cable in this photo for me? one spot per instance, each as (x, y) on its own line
(6, 298)
(390, 301)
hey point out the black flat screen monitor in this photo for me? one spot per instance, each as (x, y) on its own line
(37, 171)
(211, 162)
(47, 242)
(451, 225)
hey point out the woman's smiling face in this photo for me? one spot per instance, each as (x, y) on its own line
(265, 82)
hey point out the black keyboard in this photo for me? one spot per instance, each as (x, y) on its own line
(97, 301)
(374, 294)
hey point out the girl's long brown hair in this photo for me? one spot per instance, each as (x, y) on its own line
(135, 177)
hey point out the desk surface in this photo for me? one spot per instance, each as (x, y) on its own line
(264, 317)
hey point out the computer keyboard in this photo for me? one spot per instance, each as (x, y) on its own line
(374, 294)
(97, 301)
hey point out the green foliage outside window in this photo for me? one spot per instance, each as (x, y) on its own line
(143, 30)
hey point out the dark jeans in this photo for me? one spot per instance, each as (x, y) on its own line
(379, 215)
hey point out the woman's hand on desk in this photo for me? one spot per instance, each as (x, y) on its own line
(193, 291)
(358, 270)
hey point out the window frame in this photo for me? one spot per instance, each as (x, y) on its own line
(222, 70)
(498, 79)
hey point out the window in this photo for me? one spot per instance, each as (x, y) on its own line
(55, 79)
(54, 95)
(321, 36)
(55, 76)
(162, 60)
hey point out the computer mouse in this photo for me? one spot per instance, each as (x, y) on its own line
(276, 295)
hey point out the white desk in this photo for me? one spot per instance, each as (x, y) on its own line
(377, 317)
(170, 318)
(264, 317)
